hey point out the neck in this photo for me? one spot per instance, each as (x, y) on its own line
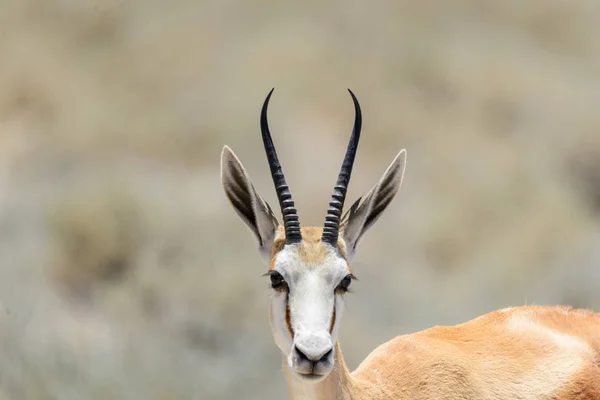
(338, 385)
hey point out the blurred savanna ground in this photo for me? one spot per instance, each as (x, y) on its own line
(124, 272)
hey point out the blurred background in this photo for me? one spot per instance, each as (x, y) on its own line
(125, 273)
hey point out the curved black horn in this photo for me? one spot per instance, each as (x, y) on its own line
(334, 212)
(288, 209)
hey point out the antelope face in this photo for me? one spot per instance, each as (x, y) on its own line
(308, 281)
(309, 268)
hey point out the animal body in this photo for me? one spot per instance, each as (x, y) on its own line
(532, 352)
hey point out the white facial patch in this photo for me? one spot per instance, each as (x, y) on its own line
(281, 333)
(312, 302)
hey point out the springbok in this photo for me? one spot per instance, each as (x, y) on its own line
(530, 352)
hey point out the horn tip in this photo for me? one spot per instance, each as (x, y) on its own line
(354, 100)
(266, 103)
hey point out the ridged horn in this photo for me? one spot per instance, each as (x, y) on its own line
(291, 222)
(334, 212)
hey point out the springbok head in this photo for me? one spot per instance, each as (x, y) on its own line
(309, 267)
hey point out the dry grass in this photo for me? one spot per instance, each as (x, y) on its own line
(96, 239)
(126, 274)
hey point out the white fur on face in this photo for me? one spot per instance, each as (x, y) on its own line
(311, 300)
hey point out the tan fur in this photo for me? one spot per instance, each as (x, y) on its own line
(277, 246)
(311, 250)
(521, 353)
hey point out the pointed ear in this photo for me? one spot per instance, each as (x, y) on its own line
(252, 209)
(367, 209)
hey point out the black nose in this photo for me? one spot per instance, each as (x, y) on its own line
(313, 360)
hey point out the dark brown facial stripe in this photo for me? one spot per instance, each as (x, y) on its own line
(288, 321)
(332, 320)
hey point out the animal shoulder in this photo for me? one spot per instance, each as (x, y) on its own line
(510, 353)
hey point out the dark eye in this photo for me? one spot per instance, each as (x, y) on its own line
(277, 281)
(345, 283)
